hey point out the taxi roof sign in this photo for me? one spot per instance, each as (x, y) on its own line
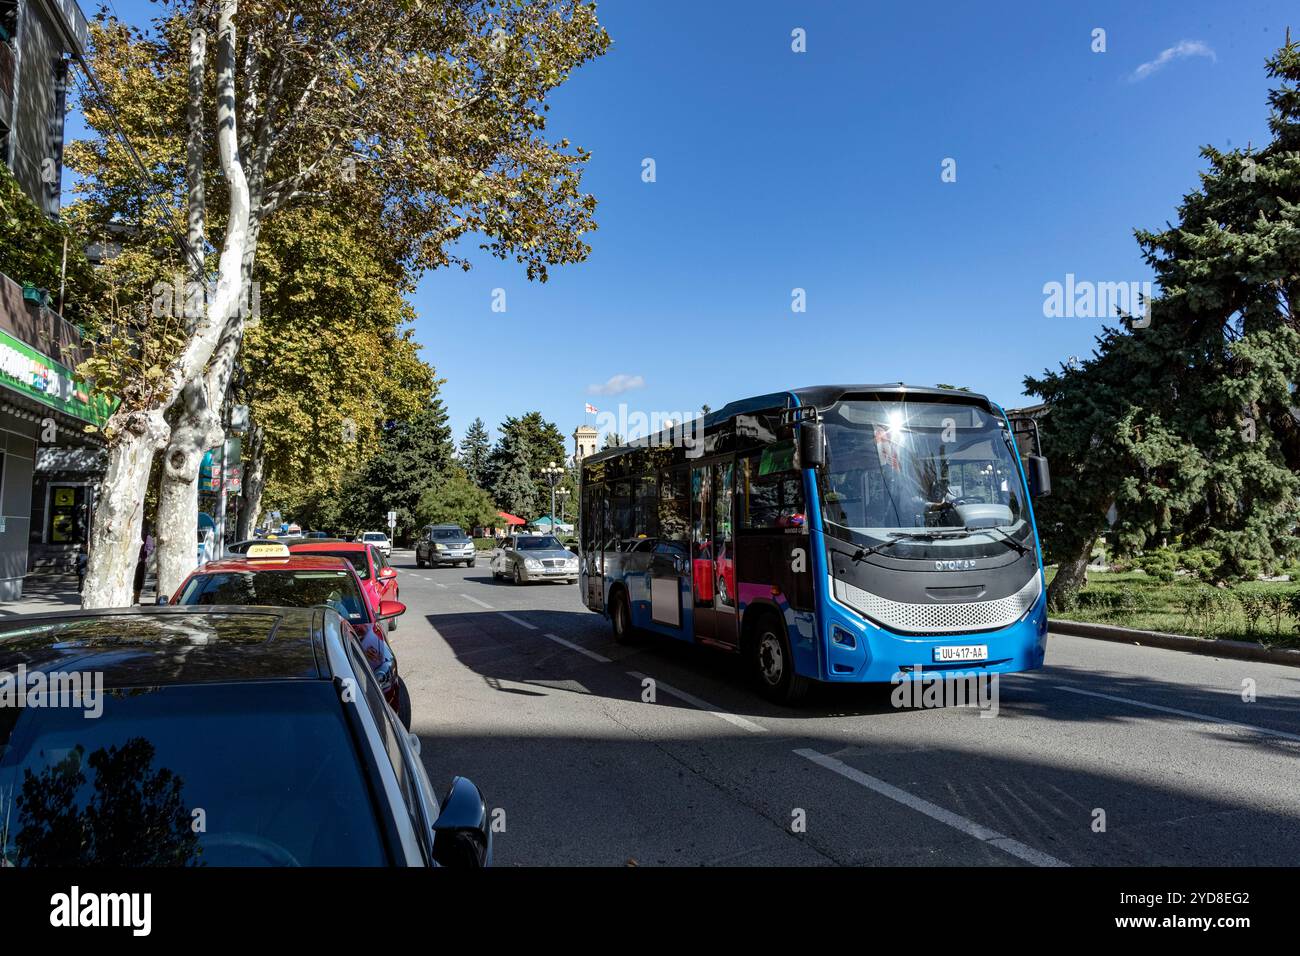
(267, 551)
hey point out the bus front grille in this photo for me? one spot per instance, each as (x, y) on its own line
(962, 618)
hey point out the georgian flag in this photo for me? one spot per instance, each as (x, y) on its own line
(591, 409)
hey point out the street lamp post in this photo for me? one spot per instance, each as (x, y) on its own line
(561, 493)
(553, 472)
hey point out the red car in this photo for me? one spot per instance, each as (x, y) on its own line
(270, 577)
(378, 578)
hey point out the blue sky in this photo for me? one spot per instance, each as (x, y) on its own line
(778, 170)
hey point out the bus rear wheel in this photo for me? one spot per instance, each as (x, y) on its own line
(772, 664)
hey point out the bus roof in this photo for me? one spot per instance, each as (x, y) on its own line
(815, 396)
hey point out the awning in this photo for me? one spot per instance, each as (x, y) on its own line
(511, 519)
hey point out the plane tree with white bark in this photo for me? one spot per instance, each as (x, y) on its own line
(429, 117)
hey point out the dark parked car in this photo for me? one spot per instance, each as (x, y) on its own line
(284, 580)
(232, 736)
(444, 544)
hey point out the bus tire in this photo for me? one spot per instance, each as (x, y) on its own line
(620, 617)
(771, 663)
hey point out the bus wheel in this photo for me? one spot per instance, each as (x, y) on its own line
(773, 664)
(620, 618)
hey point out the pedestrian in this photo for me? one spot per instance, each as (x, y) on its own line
(82, 560)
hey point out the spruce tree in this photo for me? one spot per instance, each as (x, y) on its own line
(474, 451)
(1186, 421)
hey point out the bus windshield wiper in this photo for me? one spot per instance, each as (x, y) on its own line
(897, 536)
(1006, 538)
(1020, 548)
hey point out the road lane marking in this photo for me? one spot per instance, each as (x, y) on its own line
(703, 705)
(439, 584)
(518, 620)
(484, 604)
(1181, 713)
(969, 827)
(581, 650)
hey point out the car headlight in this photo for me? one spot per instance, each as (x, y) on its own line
(532, 563)
(571, 563)
(440, 547)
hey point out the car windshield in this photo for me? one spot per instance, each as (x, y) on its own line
(448, 534)
(357, 559)
(547, 543)
(277, 780)
(927, 476)
(280, 588)
(373, 536)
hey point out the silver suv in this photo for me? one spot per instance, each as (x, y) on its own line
(443, 544)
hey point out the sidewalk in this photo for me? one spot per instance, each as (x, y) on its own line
(45, 591)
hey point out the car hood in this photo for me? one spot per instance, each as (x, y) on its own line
(557, 553)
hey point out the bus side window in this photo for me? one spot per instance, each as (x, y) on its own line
(674, 507)
(621, 516)
(770, 502)
(647, 511)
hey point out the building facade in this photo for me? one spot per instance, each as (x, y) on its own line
(49, 464)
(38, 40)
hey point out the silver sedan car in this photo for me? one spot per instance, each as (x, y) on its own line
(534, 557)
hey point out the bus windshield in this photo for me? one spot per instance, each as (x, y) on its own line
(922, 478)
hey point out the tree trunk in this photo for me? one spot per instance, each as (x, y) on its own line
(251, 508)
(1071, 578)
(195, 430)
(119, 511)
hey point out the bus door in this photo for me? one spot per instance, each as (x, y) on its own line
(670, 565)
(724, 557)
(702, 551)
(593, 540)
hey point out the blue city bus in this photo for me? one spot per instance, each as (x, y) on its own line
(845, 534)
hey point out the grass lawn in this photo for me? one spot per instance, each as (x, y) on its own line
(1138, 600)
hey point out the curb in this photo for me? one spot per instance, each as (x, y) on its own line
(1238, 650)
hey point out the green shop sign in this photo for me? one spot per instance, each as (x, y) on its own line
(38, 376)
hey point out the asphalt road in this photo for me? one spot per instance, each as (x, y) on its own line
(523, 690)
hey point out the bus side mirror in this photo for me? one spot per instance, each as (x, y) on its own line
(1038, 475)
(812, 445)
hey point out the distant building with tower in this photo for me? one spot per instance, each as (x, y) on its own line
(584, 442)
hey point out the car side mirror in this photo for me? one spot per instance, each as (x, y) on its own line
(387, 573)
(390, 609)
(460, 834)
(1038, 475)
(812, 445)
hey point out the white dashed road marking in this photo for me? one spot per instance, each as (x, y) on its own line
(703, 705)
(475, 600)
(581, 650)
(1182, 713)
(933, 811)
(518, 620)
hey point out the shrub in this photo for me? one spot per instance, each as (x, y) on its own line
(1253, 607)
(1203, 562)
(1160, 564)
(1278, 603)
(1205, 607)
